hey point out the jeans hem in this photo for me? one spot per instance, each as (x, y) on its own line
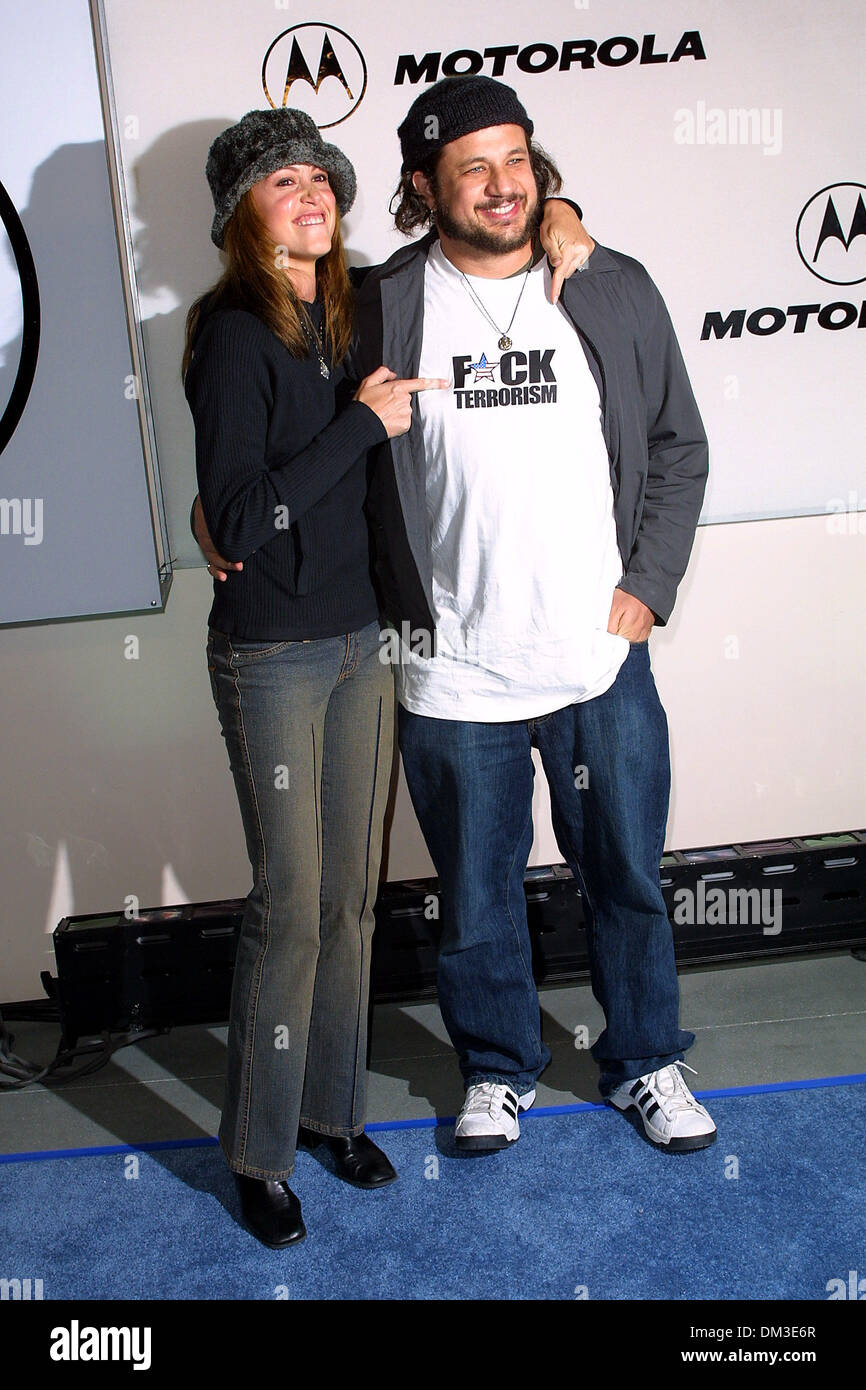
(332, 1131)
(263, 1174)
(606, 1088)
(499, 1079)
(247, 1170)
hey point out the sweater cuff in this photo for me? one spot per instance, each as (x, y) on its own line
(575, 207)
(370, 425)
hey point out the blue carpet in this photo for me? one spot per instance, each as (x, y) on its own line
(582, 1206)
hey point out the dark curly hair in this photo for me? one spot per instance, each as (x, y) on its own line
(412, 212)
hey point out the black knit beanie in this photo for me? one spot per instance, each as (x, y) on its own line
(453, 107)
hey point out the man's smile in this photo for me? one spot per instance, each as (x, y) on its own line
(502, 210)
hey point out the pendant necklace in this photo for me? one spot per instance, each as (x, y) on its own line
(315, 341)
(504, 339)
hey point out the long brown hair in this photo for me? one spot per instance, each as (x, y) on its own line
(253, 280)
(412, 212)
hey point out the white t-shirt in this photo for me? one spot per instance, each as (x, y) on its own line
(519, 507)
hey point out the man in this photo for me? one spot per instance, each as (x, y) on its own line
(536, 519)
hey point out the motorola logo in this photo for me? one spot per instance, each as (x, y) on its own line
(831, 242)
(317, 68)
(831, 234)
(19, 303)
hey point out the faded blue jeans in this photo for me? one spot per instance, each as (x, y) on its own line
(309, 732)
(471, 787)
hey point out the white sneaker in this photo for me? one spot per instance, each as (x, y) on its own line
(672, 1118)
(488, 1119)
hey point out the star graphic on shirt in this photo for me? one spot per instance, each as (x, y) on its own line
(483, 368)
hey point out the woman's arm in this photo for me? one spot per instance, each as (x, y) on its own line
(566, 242)
(230, 393)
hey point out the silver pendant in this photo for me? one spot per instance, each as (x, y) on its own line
(323, 368)
(505, 341)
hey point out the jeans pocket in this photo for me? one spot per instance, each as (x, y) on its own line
(243, 652)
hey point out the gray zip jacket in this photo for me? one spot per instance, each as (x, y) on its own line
(654, 434)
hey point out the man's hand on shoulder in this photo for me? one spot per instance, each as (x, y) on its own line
(629, 618)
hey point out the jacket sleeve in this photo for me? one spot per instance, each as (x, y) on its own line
(230, 391)
(678, 457)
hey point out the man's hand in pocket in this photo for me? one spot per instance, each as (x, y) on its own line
(629, 618)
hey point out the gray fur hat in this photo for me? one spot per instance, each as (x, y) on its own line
(261, 143)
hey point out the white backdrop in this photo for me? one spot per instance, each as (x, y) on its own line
(700, 166)
(115, 779)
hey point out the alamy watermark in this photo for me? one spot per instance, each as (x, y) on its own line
(846, 517)
(77, 1343)
(21, 1289)
(718, 907)
(22, 516)
(854, 1288)
(738, 125)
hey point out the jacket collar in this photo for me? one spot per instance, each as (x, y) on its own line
(406, 259)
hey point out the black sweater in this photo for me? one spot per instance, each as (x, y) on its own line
(281, 465)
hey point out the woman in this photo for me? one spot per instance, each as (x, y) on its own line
(305, 704)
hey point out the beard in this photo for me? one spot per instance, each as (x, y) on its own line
(484, 238)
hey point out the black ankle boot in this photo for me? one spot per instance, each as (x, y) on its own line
(271, 1211)
(358, 1160)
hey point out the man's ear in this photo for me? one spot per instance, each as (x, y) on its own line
(421, 185)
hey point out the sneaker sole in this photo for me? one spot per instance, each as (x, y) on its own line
(483, 1143)
(686, 1144)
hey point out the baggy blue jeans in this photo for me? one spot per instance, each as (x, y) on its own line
(309, 732)
(471, 787)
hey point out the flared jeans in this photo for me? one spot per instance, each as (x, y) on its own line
(308, 727)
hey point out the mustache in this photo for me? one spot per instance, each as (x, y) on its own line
(497, 202)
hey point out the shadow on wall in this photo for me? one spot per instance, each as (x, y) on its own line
(175, 256)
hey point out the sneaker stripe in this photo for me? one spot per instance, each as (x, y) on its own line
(651, 1110)
(509, 1110)
(633, 1090)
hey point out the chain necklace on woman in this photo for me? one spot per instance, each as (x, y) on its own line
(504, 340)
(314, 340)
